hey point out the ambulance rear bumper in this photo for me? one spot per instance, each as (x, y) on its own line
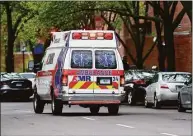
(75, 99)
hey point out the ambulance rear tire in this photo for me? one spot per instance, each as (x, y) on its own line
(94, 110)
(113, 109)
(38, 104)
(56, 106)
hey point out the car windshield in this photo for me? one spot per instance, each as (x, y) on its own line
(12, 75)
(138, 74)
(176, 77)
(27, 75)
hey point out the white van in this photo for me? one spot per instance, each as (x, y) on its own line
(81, 67)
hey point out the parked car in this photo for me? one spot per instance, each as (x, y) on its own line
(135, 82)
(13, 85)
(30, 76)
(185, 97)
(164, 88)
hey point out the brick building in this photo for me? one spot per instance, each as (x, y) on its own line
(182, 41)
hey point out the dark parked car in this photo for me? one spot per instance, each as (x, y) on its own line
(185, 97)
(135, 81)
(13, 86)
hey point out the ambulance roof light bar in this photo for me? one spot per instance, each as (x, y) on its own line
(92, 36)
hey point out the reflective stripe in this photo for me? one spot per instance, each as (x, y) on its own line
(91, 85)
(78, 85)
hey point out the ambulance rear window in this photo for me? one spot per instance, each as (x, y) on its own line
(81, 59)
(105, 59)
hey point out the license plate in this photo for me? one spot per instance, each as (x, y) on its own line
(105, 81)
(18, 84)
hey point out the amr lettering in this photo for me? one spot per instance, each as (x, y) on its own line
(81, 78)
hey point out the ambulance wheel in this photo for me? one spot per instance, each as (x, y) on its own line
(94, 109)
(113, 109)
(56, 106)
(38, 104)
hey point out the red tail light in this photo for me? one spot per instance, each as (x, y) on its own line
(139, 81)
(122, 80)
(164, 87)
(64, 80)
(3, 83)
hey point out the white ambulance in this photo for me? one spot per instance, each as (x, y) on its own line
(81, 67)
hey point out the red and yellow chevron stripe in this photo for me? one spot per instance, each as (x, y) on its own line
(91, 85)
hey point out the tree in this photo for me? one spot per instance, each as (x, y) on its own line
(188, 8)
(131, 14)
(166, 12)
(17, 13)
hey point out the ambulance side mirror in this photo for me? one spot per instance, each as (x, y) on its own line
(30, 65)
(34, 67)
(37, 67)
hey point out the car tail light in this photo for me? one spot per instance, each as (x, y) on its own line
(3, 83)
(122, 80)
(64, 80)
(164, 86)
(139, 81)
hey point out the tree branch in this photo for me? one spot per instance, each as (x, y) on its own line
(178, 19)
(173, 9)
(18, 21)
(118, 11)
(17, 30)
(150, 50)
(124, 45)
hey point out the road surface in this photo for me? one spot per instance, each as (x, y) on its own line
(18, 119)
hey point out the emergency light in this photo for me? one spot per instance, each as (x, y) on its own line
(92, 36)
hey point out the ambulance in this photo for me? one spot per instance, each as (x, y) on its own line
(81, 67)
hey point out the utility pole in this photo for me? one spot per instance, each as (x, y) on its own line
(0, 35)
(23, 52)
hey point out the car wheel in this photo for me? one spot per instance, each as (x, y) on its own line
(157, 104)
(94, 109)
(56, 106)
(131, 99)
(113, 109)
(38, 104)
(180, 107)
(146, 103)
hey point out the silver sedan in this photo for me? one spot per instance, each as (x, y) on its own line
(164, 87)
(185, 97)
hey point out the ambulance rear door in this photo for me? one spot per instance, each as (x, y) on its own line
(106, 74)
(80, 73)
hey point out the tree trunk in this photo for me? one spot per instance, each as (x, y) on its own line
(160, 47)
(10, 42)
(169, 38)
(139, 64)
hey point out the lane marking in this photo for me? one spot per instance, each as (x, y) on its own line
(88, 118)
(124, 126)
(168, 134)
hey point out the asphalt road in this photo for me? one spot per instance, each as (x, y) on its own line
(18, 119)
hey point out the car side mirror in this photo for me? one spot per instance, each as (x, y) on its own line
(149, 82)
(186, 83)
